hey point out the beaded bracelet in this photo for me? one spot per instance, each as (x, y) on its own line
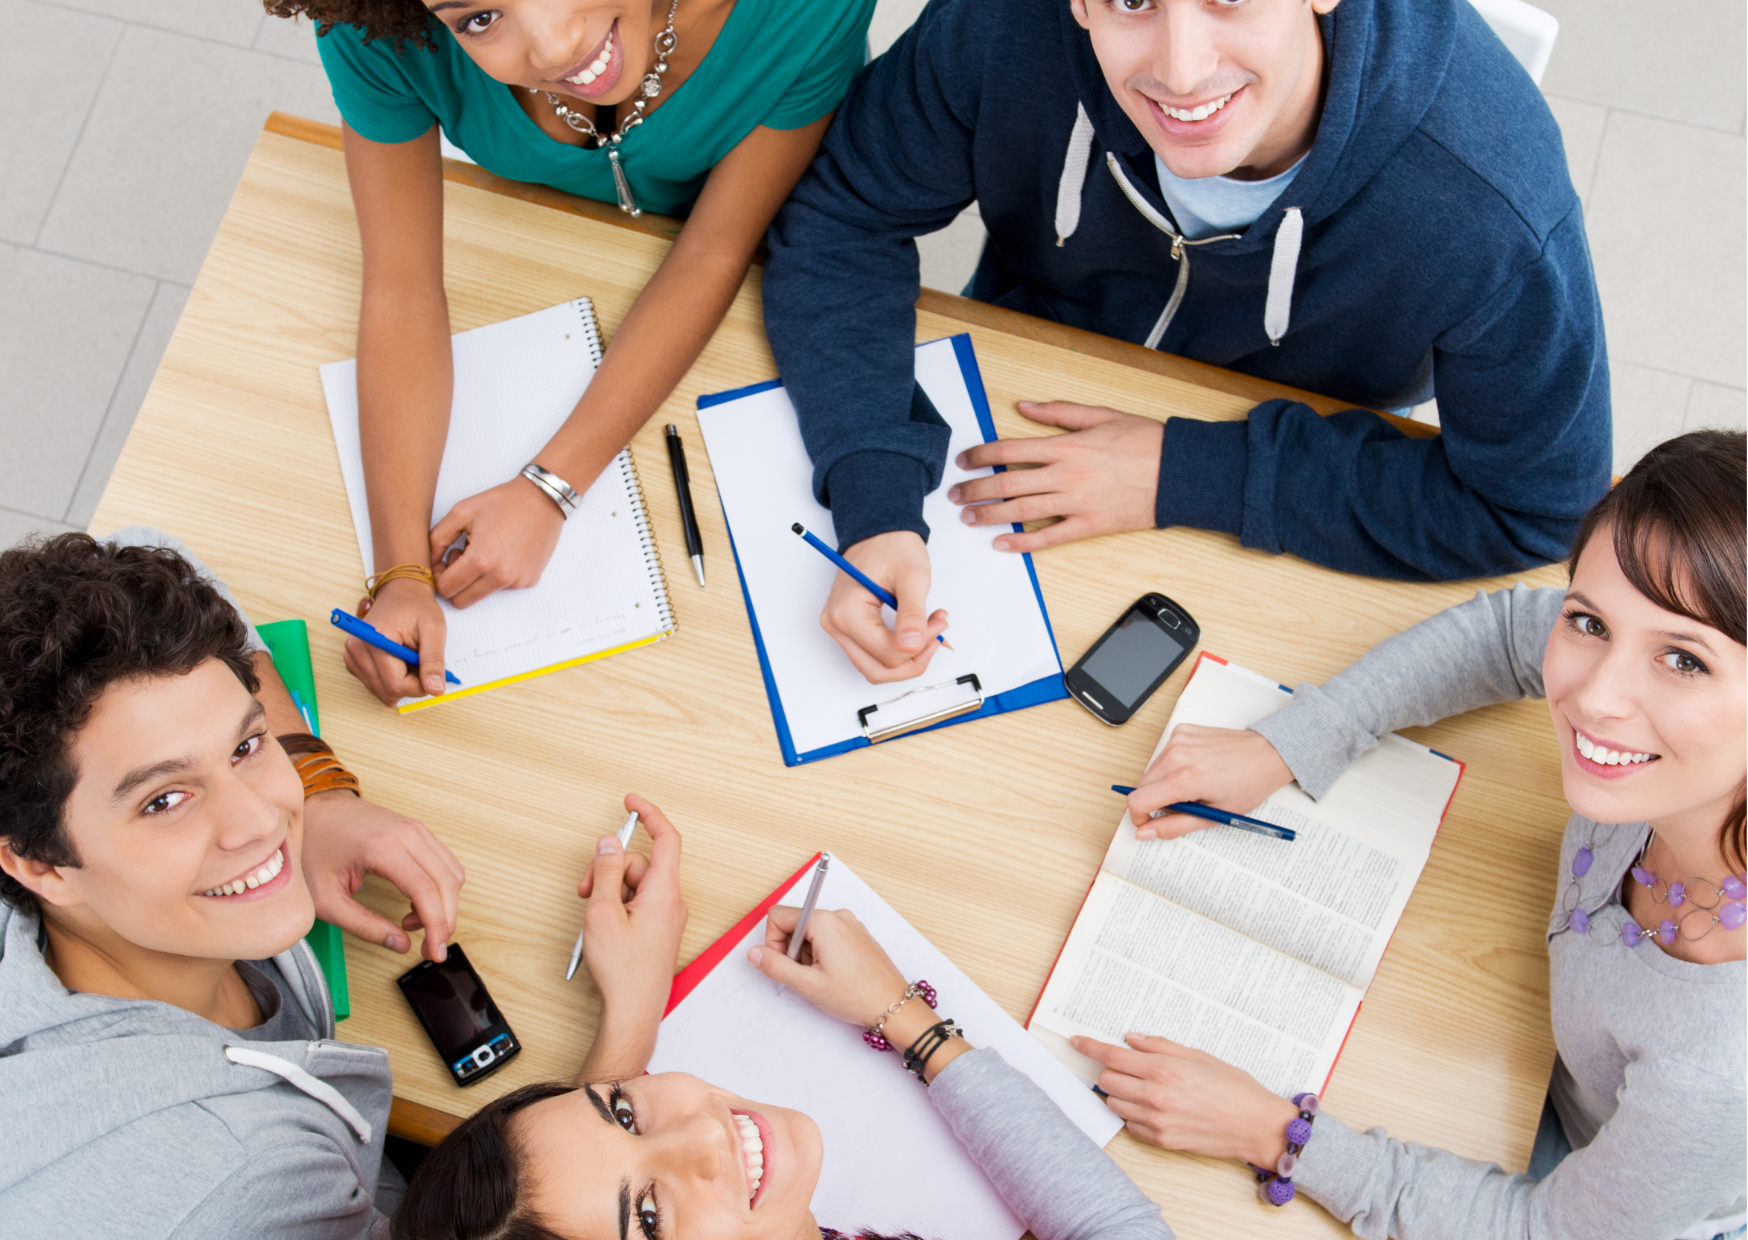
(1277, 1185)
(875, 1037)
(932, 1039)
(317, 766)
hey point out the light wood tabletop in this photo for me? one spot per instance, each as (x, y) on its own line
(984, 836)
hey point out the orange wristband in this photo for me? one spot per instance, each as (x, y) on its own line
(317, 766)
(377, 581)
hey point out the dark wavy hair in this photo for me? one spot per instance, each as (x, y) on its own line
(470, 1186)
(1679, 523)
(403, 21)
(77, 616)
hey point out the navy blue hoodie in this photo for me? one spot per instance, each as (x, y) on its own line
(1442, 251)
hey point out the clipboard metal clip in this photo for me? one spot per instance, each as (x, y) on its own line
(922, 706)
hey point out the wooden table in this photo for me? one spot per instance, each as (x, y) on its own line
(983, 836)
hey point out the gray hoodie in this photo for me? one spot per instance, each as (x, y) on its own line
(134, 1118)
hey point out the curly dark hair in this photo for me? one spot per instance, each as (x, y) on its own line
(403, 21)
(76, 616)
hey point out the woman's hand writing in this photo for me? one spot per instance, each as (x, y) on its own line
(405, 611)
(1231, 769)
(842, 971)
(511, 531)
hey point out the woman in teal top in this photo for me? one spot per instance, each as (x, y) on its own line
(710, 109)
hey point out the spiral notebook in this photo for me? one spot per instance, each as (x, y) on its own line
(603, 591)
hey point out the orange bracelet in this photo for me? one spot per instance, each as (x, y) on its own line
(419, 572)
(317, 766)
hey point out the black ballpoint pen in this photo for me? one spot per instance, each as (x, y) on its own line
(683, 485)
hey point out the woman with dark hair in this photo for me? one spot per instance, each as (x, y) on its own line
(620, 1154)
(1643, 665)
(708, 109)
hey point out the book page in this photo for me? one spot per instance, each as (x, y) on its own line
(515, 384)
(892, 1164)
(1330, 898)
(1135, 963)
(997, 626)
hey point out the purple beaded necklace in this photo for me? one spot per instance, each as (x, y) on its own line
(1708, 904)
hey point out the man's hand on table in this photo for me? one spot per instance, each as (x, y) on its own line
(900, 562)
(346, 837)
(631, 942)
(1101, 477)
(1186, 1099)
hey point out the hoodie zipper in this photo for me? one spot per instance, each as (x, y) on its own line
(1179, 249)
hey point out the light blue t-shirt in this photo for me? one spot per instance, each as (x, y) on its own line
(1204, 206)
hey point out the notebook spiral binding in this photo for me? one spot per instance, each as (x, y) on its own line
(628, 468)
(652, 555)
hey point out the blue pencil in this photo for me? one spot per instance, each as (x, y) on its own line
(1227, 818)
(367, 634)
(861, 578)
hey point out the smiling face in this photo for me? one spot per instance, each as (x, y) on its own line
(1649, 705)
(668, 1155)
(594, 50)
(1215, 86)
(187, 819)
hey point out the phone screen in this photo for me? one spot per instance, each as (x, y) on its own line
(455, 1005)
(1132, 656)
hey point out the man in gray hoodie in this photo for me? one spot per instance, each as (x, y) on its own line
(167, 1062)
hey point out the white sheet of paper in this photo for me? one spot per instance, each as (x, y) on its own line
(764, 477)
(515, 384)
(891, 1162)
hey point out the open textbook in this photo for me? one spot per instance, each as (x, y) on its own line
(892, 1164)
(602, 591)
(1253, 949)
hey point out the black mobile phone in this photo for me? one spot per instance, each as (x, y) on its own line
(1123, 668)
(470, 1034)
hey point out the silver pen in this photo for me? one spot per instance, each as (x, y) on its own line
(624, 843)
(800, 935)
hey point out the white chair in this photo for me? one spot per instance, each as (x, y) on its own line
(1528, 32)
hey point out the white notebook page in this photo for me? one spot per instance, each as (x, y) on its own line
(515, 384)
(891, 1162)
(764, 476)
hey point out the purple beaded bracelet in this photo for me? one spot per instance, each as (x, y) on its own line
(1277, 1185)
(876, 1037)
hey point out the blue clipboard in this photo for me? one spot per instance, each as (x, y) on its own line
(1044, 689)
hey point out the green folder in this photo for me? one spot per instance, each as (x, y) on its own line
(288, 641)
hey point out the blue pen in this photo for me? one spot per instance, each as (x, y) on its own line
(860, 578)
(349, 623)
(1224, 817)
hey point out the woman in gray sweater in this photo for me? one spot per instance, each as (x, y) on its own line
(1643, 665)
(624, 1154)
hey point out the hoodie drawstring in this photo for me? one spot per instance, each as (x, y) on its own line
(316, 1088)
(1074, 162)
(1277, 312)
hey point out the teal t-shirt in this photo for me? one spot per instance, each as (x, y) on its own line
(778, 63)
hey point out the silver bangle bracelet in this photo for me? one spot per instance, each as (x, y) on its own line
(557, 489)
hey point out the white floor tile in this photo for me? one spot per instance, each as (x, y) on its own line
(136, 379)
(1713, 405)
(1682, 62)
(891, 19)
(293, 37)
(1581, 128)
(51, 62)
(15, 527)
(950, 256)
(1666, 225)
(147, 196)
(225, 21)
(65, 331)
(1649, 407)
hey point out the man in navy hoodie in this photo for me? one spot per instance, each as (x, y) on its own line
(1366, 199)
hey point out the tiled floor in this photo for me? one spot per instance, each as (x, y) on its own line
(128, 126)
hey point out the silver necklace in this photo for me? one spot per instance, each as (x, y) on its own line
(648, 90)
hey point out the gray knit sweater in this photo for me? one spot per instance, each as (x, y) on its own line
(1649, 1081)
